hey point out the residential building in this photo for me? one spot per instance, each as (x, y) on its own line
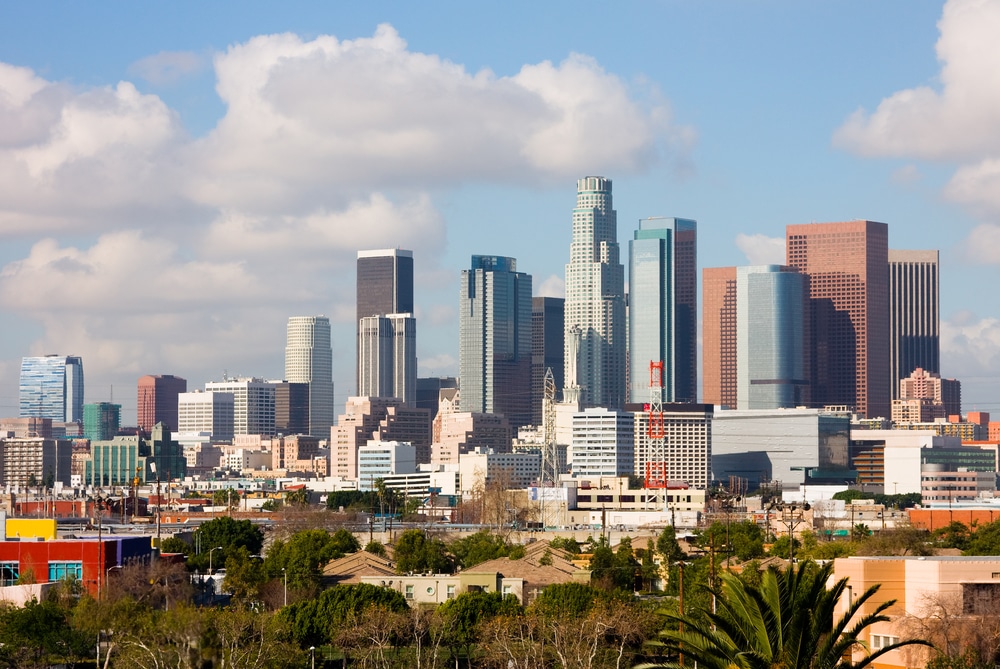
(51, 386)
(943, 397)
(595, 346)
(291, 408)
(253, 404)
(481, 466)
(457, 432)
(494, 323)
(848, 269)
(385, 286)
(34, 461)
(387, 362)
(294, 452)
(101, 420)
(156, 400)
(663, 307)
(718, 358)
(603, 443)
(309, 359)
(358, 424)
(210, 412)
(548, 324)
(914, 314)
(675, 445)
(379, 459)
(26, 427)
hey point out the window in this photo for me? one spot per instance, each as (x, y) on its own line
(59, 571)
(451, 592)
(409, 592)
(508, 590)
(9, 573)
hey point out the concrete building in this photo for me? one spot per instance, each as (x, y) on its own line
(914, 314)
(718, 358)
(253, 404)
(663, 308)
(291, 408)
(118, 461)
(676, 446)
(378, 459)
(309, 359)
(156, 400)
(595, 346)
(294, 452)
(101, 420)
(51, 386)
(380, 418)
(848, 269)
(482, 466)
(209, 412)
(790, 446)
(458, 432)
(387, 363)
(603, 443)
(925, 395)
(34, 461)
(385, 286)
(26, 427)
(429, 391)
(548, 324)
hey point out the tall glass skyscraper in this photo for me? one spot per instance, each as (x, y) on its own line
(494, 324)
(914, 314)
(595, 301)
(663, 308)
(52, 387)
(309, 359)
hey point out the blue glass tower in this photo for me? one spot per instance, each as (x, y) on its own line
(52, 387)
(663, 306)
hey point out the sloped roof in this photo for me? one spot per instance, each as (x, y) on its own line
(530, 567)
(350, 568)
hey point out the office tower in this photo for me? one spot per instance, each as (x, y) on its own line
(117, 461)
(683, 452)
(914, 314)
(309, 359)
(253, 404)
(157, 400)
(848, 269)
(387, 357)
(291, 407)
(718, 336)
(206, 412)
(548, 325)
(770, 316)
(51, 386)
(595, 301)
(603, 443)
(494, 327)
(101, 420)
(385, 286)
(663, 308)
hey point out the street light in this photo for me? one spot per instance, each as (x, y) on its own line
(285, 575)
(210, 558)
(107, 572)
(312, 656)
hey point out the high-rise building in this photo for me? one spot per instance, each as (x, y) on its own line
(291, 407)
(663, 307)
(848, 269)
(683, 448)
(207, 412)
(548, 326)
(595, 301)
(157, 400)
(914, 314)
(718, 336)
(925, 397)
(26, 462)
(52, 387)
(494, 325)
(770, 317)
(253, 404)
(429, 391)
(101, 420)
(309, 359)
(603, 443)
(387, 357)
(384, 286)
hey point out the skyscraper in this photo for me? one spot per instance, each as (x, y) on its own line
(718, 336)
(770, 317)
(51, 386)
(548, 324)
(309, 359)
(914, 314)
(385, 286)
(595, 301)
(848, 269)
(663, 307)
(253, 404)
(157, 400)
(494, 324)
(101, 420)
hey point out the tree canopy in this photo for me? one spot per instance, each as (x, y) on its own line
(417, 552)
(227, 533)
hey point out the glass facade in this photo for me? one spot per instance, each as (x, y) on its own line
(309, 359)
(387, 353)
(101, 420)
(51, 386)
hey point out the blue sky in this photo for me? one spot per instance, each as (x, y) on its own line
(176, 179)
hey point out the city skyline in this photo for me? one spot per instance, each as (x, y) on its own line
(154, 188)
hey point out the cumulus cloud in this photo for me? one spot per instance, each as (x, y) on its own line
(970, 351)
(982, 245)
(553, 286)
(167, 67)
(761, 249)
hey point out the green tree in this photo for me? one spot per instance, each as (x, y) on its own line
(415, 551)
(465, 615)
(311, 622)
(227, 533)
(298, 497)
(744, 539)
(479, 547)
(953, 535)
(985, 540)
(849, 495)
(786, 621)
(568, 544)
(301, 555)
(376, 548)
(175, 545)
(39, 634)
(244, 577)
(566, 599)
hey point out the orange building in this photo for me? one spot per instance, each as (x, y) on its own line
(718, 333)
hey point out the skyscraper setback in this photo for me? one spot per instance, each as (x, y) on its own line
(914, 314)
(848, 269)
(595, 301)
(386, 329)
(494, 323)
(663, 308)
(309, 359)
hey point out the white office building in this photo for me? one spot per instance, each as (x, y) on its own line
(603, 443)
(309, 359)
(379, 459)
(253, 404)
(206, 413)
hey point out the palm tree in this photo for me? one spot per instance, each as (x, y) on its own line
(787, 622)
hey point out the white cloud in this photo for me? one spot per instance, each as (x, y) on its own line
(761, 249)
(970, 346)
(907, 175)
(982, 245)
(553, 286)
(167, 67)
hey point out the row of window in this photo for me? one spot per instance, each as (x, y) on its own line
(10, 572)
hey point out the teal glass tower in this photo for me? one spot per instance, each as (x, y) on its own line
(101, 420)
(495, 339)
(51, 386)
(663, 307)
